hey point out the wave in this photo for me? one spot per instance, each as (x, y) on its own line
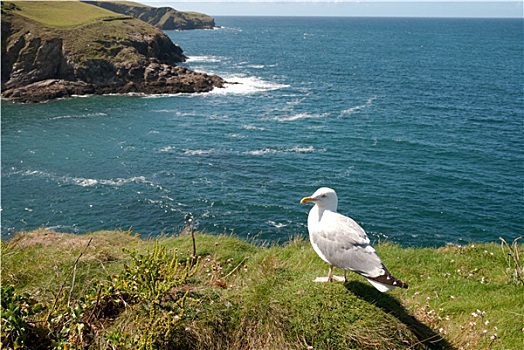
(276, 224)
(175, 112)
(355, 109)
(86, 182)
(166, 149)
(204, 58)
(79, 116)
(198, 152)
(247, 85)
(299, 116)
(253, 127)
(236, 136)
(269, 150)
(248, 65)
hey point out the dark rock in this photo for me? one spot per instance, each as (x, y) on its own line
(49, 89)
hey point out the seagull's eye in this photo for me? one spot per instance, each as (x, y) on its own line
(323, 196)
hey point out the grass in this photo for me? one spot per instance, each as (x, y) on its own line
(62, 14)
(87, 32)
(241, 296)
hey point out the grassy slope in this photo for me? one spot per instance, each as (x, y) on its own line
(255, 297)
(85, 29)
(63, 14)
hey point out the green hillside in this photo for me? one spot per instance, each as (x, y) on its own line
(114, 290)
(61, 14)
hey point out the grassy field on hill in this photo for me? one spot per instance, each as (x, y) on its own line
(62, 14)
(113, 289)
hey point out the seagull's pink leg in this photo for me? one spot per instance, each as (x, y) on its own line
(330, 273)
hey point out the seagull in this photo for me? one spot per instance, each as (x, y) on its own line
(341, 242)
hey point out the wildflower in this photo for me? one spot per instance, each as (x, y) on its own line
(494, 336)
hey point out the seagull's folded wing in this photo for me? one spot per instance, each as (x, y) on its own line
(346, 245)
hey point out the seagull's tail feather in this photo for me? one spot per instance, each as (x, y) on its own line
(386, 282)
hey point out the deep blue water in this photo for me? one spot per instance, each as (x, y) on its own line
(417, 123)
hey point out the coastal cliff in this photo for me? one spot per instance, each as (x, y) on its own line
(165, 18)
(73, 48)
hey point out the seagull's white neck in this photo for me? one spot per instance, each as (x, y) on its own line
(315, 214)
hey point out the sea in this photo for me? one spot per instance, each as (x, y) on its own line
(417, 123)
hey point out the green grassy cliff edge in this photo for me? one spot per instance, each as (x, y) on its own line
(114, 290)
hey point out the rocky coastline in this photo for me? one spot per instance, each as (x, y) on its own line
(165, 18)
(112, 55)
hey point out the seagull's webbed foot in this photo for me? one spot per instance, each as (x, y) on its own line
(321, 280)
(330, 277)
(339, 279)
(327, 279)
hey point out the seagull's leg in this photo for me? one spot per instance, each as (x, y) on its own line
(330, 273)
(340, 278)
(325, 279)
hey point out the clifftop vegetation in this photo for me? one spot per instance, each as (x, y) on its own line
(114, 290)
(59, 14)
(164, 18)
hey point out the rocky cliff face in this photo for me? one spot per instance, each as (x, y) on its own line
(164, 18)
(110, 56)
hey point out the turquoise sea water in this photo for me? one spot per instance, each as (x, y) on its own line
(417, 123)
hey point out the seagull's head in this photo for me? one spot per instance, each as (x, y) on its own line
(324, 197)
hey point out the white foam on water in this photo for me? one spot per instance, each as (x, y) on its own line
(236, 136)
(198, 152)
(253, 127)
(358, 108)
(204, 58)
(276, 224)
(86, 182)
(247, 85)
(79, 116)
(300, 116)
(269, 150)
(166, 149)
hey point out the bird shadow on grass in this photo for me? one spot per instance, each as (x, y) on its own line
(425, 335)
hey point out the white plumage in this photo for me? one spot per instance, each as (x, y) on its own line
(341, 242)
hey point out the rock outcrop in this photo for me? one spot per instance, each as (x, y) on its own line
(112, 55)
(165, 18)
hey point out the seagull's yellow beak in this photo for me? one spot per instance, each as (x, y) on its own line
(306, 200)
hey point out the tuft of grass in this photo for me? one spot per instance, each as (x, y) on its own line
(113, 289)
(515, 266)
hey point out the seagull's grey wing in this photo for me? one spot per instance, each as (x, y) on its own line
(346, 245)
